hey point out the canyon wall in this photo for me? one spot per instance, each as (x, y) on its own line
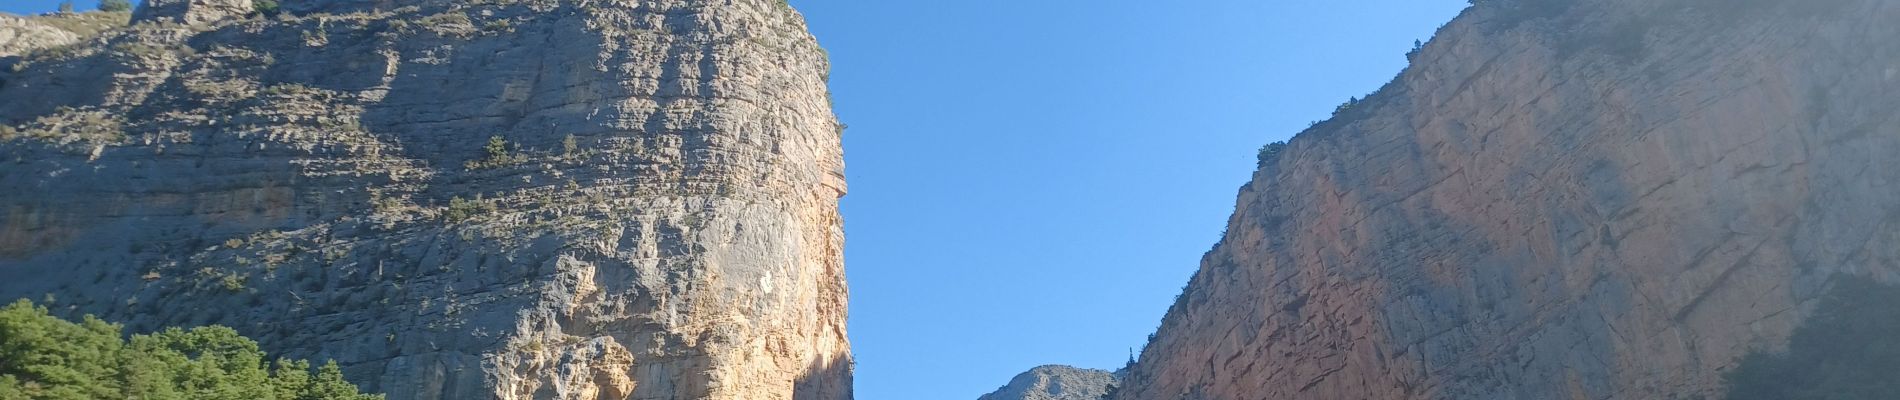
(455, 199)
(1607, 199)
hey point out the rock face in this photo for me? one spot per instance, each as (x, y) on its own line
(18, 35)
(1056, 382)
(534, 199)
(1608, 199)
(192, 11)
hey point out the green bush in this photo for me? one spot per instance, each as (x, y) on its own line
(46, 358)
(1270, 152)
(497, 154)
(115, 5)
(265, 7)
(1848, 350)
(462, 210)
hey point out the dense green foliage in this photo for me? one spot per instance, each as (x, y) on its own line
(1849, 350)
(1270, 152)
(115, 5)
(46, 358)
(266, 7)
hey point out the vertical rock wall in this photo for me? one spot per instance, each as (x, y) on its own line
(1557, 200)
(535, 199)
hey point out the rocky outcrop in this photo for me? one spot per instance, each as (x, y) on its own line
(530, 199)
(192, 11)
(1608, 199)
(20, 35)
(1056, 382)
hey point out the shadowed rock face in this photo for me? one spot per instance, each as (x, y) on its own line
(1056, 382)
(655, 217)
(1557, 200)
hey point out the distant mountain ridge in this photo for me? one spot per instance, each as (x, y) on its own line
(1057, 382)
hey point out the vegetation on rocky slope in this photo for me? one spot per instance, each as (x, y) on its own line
(44, 357)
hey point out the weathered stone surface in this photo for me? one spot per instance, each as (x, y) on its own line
(19, 35)
(1557, 200)
(659, 221)
(192, 11)
(1056, 382)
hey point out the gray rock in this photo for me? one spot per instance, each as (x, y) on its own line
(19, 35)
(1609, 199)
(192, 11)
(1056, 382)
(659, 220)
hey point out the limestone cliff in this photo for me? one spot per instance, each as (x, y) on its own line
(1607, 199)
(456, 199)
(22, 34)
(1056, 382)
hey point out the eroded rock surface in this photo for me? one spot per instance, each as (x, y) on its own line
(20, 35)
(192, 11)
(1056, 382)
(1606, 199)
(531, 199)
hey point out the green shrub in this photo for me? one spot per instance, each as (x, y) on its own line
(1270, 152)
(496, 154)
(1848, 350)
(445, 19)
(115, 5)
(233, 283)
(44, 357)
(462, 210)
(497, 148)
(265, 7)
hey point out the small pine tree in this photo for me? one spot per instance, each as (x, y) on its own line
(115, 5)
(66, 7)
(497, 148)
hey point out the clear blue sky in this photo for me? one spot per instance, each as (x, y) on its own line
(1033, 181)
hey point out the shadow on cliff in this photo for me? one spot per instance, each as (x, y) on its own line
(1846, 350)
(825, 380)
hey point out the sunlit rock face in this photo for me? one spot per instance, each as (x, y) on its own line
(192, 11)
(530, 199)
(1056, 382)
(1557, 200)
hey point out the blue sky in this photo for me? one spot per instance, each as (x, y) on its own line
(1033, 181)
